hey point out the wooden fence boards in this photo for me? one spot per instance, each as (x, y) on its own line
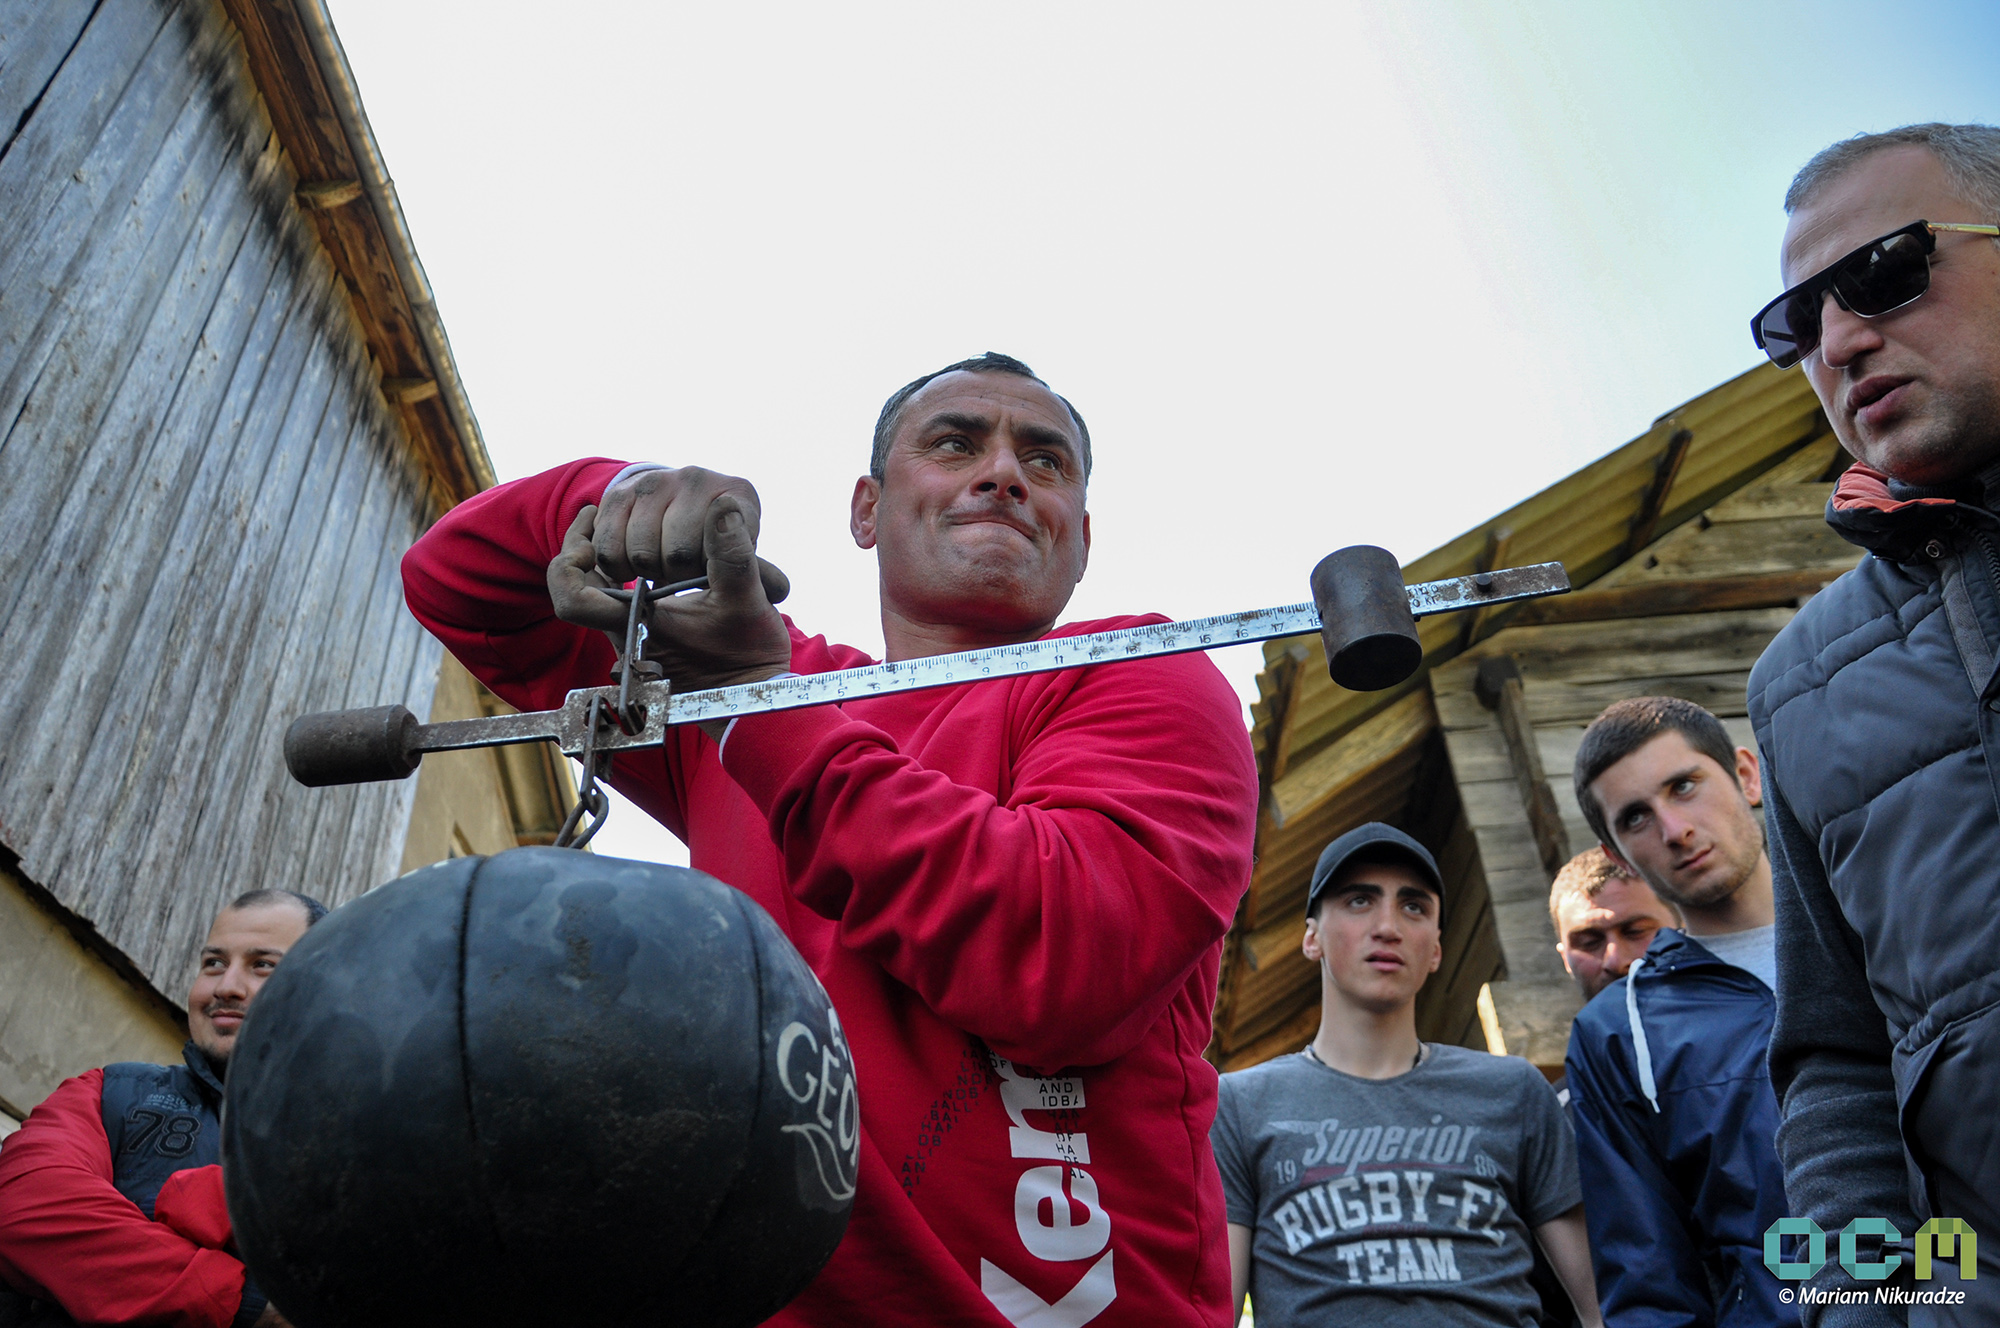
(206, 496)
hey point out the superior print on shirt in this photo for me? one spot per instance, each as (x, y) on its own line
(1412, 1198)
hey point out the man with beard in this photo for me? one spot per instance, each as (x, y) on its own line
(1014, 890)
(1675, 1119)
(111, 1206)
(1878, 712)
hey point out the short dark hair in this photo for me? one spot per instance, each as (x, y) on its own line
(262, 898)
(992, 362)
(1626, 726)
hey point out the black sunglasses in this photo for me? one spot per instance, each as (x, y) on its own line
(1881, 275)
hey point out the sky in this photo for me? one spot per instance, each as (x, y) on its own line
(1315, 274)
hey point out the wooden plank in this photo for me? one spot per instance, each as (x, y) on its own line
(280, 520)
(77, 612)
(1578, 703)
(1318, 712)
(1286, 857)
(139, 776)
(1653, 503)
(1478, 757)
(84, 123)
(36, 36)
(56, 420)
(1498, 688)
(279, 59)
(191, 843)
(1802, 501)
(1538, 1000)
(1357, 756)
(1652, 599)
(1740, 548)
(1807, 466)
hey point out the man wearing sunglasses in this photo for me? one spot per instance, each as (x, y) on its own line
(1879, 714)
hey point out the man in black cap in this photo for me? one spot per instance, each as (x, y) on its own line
(1401, 1181)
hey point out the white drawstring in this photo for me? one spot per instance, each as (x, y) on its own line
(1640, 1051)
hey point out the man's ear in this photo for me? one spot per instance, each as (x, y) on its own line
(1437, 953)
(1563, 950)
(861, 511)
(1086, 547)
(1750, 776)
(1310, 946)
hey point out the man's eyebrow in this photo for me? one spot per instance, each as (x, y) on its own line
(958, 420)
(1690, 772)
(1046, 436)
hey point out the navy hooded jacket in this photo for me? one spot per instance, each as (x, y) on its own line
(1676, 1130)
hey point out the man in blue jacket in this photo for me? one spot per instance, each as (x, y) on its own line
(1878, 711)
(1675, 1119)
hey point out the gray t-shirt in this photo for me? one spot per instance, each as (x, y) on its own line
(1755, 951)
(1397, 1201)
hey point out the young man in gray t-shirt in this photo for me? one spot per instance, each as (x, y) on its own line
(1388, 1179)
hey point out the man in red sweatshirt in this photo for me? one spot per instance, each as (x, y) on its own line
(1014, 891)
(111, 1207)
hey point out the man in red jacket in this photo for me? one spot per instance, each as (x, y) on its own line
(111, 1202)
(1014, 891)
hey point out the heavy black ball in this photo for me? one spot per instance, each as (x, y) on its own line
(542, 1088)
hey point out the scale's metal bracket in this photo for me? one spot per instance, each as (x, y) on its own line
(386, 742)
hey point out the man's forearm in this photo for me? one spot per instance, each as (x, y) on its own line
(1567, 1244)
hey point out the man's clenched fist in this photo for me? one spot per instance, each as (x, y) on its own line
(719, 637)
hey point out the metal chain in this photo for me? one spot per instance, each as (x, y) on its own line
(628, 714)
(589, 797)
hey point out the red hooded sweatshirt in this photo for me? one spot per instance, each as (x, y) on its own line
(1015, 893)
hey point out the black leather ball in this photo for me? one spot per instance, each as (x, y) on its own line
(541, 1088)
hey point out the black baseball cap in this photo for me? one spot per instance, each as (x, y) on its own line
(1374, 842)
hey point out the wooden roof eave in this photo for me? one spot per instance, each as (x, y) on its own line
(1585, 520)
(308, 87)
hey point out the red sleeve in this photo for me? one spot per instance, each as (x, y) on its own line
(66, 1235)
(478, 580)
(193, 1203)
(1058, 923)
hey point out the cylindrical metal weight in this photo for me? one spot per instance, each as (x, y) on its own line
(1364, 618)
(352, 746)
(542, 1088)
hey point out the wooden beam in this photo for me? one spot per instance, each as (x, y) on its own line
(1493, 556)
(409, 391)
(1355, 757)
(1764, 590)
(1499, 689)
(1647, 519)
(319, 195)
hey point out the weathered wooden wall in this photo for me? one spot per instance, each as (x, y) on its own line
(1571, 670)
(203, 493)
(1642, 533)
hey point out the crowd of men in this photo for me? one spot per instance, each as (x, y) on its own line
(1792, 1019)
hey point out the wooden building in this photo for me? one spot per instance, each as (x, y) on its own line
(1689, 548)
(227, 408)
